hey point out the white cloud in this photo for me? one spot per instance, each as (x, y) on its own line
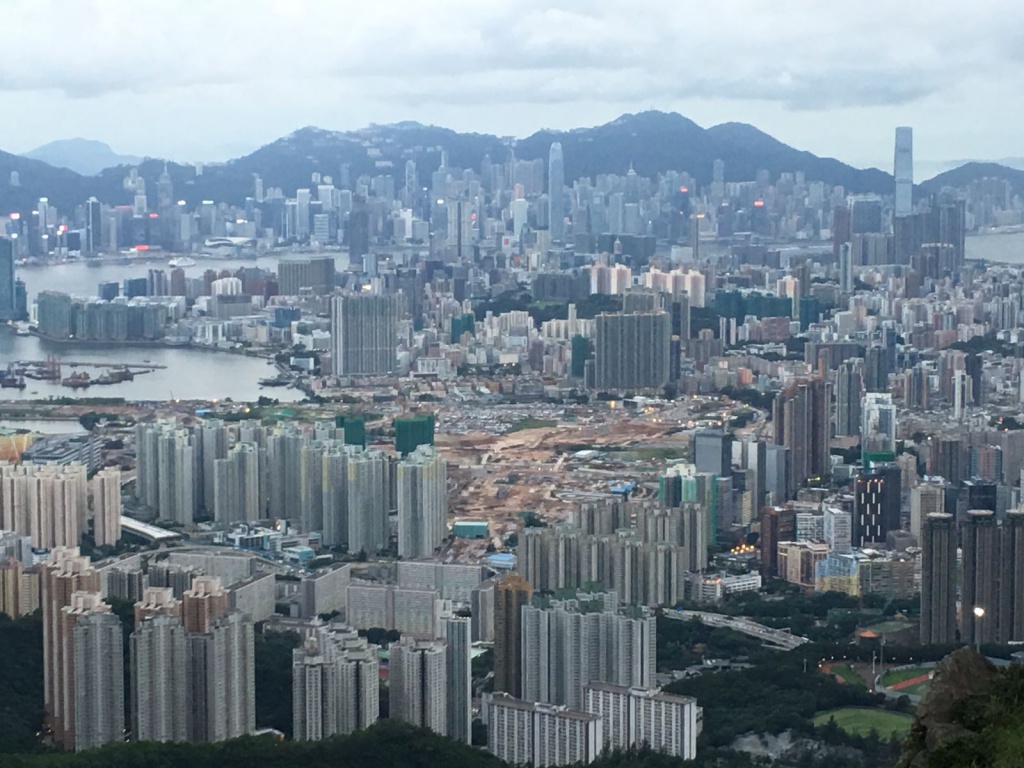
(527, 63)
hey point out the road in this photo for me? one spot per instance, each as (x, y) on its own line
(775, 637)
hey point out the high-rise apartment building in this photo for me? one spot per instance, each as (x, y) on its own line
(46, 502)
(938, 579)
(878, 429)
(849, 392)
(237, 485)
(512, 593)
(568, 643)
(521, 732)
(981, 578)
(221, 679)
(159, 695)
(633, 718)
(632, 351)
(66, 574)
(363, 328)
(926, 498)
(418, 678)
(202, 605)
(837, 529)
(106, 506)
(1011, 578)
(801, 420)
(335, 685)
(457, 633)
(94, 685)
(422, 479)
(165, 470)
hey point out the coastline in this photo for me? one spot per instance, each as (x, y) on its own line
(145, 344)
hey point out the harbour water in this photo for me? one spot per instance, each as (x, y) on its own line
(1008, 248)
(188, 374)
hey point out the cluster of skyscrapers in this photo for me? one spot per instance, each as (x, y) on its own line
(191, 673)
(316, 478)
(574, 676)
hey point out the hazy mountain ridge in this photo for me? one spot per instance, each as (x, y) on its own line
(652, 142)
(86, 157)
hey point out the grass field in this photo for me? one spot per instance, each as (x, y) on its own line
(860, 722)
(848, 674)
(888, 626)
(895, 676)
(920, 689)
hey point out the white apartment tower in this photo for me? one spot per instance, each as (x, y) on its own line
(422, 503)
(419, 683)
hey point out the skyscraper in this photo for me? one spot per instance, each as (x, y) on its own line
(334, 685)
(938, 579)
(878, 429)
(556, 192)
(511, 594)
(521, 732)
(632, 351)
(221, 679)
(166, 471)
(925, 499)
(202, 605)
(567, 643)
(159, 694)
(8, 303)
(1011, 578)
(417, 671)
(363, 328)
(66, 574)
(458, 636)
(645, 717)
(903, 171)
(106, 506)
(876, 510)
(713, 452)
(801, 421)
(849, 391)
(96, 672)
(981, 578)
(422, 503)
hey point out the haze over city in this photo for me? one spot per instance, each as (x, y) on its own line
(637, 385)
(213, 81)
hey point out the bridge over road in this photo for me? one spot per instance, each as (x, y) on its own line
(777, 638)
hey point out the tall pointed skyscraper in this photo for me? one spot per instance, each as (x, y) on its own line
(556, 187)
(903, 170)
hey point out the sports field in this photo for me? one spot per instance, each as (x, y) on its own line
(860, 721)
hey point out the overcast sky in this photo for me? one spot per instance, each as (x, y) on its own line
(208, 80)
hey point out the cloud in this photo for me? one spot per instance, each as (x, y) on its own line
(800, 54)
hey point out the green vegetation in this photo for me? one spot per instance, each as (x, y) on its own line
(21, 683)
(861, 722)
(848, 674)
(274, 679)
(895, 676)
(984, 731)
(541, 311)
(530, 423)
(772, 698)
(682, 644)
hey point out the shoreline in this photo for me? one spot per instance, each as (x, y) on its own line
(145, 344)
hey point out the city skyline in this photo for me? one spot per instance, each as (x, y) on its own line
(801, 77)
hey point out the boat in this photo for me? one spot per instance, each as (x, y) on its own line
(79, 380)
(12, 382)
(21, 331)
(115, 376)
(182, 261)
(277, 381)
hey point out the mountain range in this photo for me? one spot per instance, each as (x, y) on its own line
(85, 157)
(650, 142)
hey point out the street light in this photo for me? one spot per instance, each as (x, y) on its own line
(979, 614)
